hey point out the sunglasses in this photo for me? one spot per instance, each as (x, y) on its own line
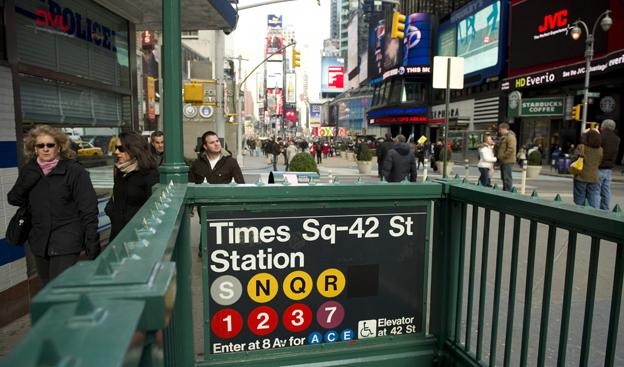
(42, 145)
(120, 148)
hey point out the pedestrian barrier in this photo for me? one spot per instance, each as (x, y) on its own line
(366, 274)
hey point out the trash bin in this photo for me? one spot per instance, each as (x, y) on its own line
(294, 178)
(563, 164)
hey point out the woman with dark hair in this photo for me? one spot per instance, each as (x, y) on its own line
(61, 201)
(136, 171)
(586, 184)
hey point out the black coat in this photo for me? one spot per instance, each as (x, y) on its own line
(129, 195)
(63, 206)
(399, 164)
(226, 168)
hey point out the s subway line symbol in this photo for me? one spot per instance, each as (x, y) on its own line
(555, 20)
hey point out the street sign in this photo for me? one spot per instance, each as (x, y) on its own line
(589, 94)
(286, 278)
(440, 66)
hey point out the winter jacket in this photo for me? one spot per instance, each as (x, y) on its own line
(276, 148)
(610, 146)
(63, 208)
(382, 151)
(158, 157)
(399, 163)
(591, 160)
(291, 151)
(507, 148)
(223, 172)
(130, 192)
(486, 157)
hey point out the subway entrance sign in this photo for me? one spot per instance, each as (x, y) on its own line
(291, 278)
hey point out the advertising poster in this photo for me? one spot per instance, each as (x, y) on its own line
(274, 42)
(274, 102)
(291, 88)
(332, 74)
(353, 36)
(291, 117)
(289, 278)
(151, 98)
(376, 41)
(315, 113)
(417, 40)
(478, 38)
(274, 74)
(545, 30)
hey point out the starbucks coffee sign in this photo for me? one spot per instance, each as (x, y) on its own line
(551, 106)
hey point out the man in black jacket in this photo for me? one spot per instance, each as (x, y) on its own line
(157, 146)
(214, 164)
(382, 151)
(610, 146)
(400, 162)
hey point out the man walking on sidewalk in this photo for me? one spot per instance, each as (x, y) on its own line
(506, 154)
(610, 147)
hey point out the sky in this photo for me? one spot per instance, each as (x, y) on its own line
(311, 23)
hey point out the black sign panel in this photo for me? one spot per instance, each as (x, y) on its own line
(290, 278)
(540, 31)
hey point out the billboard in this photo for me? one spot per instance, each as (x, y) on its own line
(478, 37)
(275, 104)
(544, 28)
(332, 74)
(411, 55)
(315, 113)
(447, 42)
(273, 21)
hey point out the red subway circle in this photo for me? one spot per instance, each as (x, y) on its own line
(226, 323)
(262, 320)
(297, 317)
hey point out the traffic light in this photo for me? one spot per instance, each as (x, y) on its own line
(398, 25)
(576, 112)
(295, 58)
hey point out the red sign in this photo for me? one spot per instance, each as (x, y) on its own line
(552, 21)
(226, 323)
(147, 39)
(335, 77)
(398, 119)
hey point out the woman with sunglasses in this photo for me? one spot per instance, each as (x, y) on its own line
(136, 171)
(61, 200)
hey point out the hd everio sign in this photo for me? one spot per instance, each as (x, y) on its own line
(289, 278)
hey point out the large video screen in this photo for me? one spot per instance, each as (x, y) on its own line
(332, 74)
(478, 38)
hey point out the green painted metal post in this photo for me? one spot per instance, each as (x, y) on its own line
(174, 169)
(184, 353)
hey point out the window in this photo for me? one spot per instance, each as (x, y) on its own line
(395, 91)
(190, 35)
(413, 91)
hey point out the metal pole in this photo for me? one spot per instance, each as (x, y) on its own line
(446, 117)
(589, 54)
(220, 118)
(239, 114)
(283, 127)
(174, 168)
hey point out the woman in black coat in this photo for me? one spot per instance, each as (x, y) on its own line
(61, 201)
(136, 171)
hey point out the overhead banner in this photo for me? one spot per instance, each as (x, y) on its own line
(289, 278)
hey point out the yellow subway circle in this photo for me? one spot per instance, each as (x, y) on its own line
(297, 285)
(330, 283)
(262, 287)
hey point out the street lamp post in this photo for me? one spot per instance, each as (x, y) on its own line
(605, 22)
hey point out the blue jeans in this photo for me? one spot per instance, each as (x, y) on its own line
(484, 179)
(587, 190)
(604, 180)
(505, 169)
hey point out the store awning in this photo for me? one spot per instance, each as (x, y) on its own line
(195, 14)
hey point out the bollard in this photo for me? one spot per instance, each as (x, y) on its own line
(523, 182)
(425, 169)
(467, 168)
(330, 176)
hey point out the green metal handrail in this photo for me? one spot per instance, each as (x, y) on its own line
(129, 291)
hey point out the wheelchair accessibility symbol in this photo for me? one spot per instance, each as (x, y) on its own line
(367, 329)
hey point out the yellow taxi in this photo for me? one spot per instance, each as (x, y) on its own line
(87, 149)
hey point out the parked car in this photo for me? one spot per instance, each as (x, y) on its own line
(87, 149)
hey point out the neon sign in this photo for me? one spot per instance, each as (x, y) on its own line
(66, 20)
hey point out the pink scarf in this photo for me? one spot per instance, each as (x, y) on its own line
(47, 167)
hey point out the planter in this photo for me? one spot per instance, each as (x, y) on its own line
(364, 167)
(449, 167)
(533, 171)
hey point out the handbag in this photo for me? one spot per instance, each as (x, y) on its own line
(19, 226)
(576, 167)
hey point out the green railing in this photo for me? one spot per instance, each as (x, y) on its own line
(133, 306)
